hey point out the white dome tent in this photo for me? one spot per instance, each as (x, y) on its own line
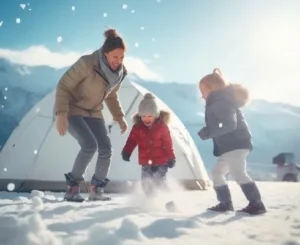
(35, 157)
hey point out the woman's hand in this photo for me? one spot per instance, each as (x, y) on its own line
(123, 125)
(62, 123)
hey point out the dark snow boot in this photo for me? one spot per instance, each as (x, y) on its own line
(252, 194)
(224, 197)
(97, 190)
(73, 189)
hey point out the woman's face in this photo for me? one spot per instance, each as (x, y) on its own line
(115, 58)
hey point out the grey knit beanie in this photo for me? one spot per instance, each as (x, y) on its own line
(148, 106)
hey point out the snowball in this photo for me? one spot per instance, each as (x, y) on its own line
(136, 44)
(1, 23)
(220, 125)
(59, 39)
(18, 20)
(142, 28)
(35, 152)
(132, 11)
(5, 169)
(104, 14)
(125, 6)
(153, 39)
(35, 193)
(73, 8)
(11, 186)
(23, 6)
(156, 56)
(6, 89)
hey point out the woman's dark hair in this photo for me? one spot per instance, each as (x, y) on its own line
(112, 41)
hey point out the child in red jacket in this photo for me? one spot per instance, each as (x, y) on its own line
(151, 134)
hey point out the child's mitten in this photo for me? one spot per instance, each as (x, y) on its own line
(126, 156)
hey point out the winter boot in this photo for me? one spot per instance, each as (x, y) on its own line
(73, 189)
(252, 194)
(224, 197)
(97, 190)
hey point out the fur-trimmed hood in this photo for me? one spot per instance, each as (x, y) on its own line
(164, 117)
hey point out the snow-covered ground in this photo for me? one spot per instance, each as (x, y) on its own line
(40, 218)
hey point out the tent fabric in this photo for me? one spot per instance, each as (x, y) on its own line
(35, 157)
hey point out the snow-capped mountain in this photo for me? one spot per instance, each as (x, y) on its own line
(275, 126)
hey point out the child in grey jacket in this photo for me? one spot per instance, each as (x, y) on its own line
(232, 141)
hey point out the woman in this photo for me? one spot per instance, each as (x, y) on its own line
(80, 93)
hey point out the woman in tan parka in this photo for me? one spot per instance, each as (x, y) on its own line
(93, 79)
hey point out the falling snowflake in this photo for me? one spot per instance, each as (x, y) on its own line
(35, 152)
(29, 9)
(6, 89)
(136, 44)
(153, 39)
(2, 106)
(73, 8)
(105, 15)
(11, 186)
(220, 125)
(156, 56)
(18, 20)
(125, 6)
(59, 39)
(142, 28)
(1, 23)
(158, 1)
(37, 110)
(132, 11)
(5, 97)
(23, 6)
(28, 4)
(5, 169)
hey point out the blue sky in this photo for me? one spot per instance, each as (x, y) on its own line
(253, 42)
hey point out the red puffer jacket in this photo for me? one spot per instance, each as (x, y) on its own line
(155, 144)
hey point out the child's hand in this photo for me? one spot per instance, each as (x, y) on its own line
(171, 163)
(203, 133)
(126, 156)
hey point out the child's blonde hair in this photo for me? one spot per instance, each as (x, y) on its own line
(215, 81)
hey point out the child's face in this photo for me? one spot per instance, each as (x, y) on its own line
(148, 120)
(204, 91)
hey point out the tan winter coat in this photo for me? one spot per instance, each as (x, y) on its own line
(81, 90)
